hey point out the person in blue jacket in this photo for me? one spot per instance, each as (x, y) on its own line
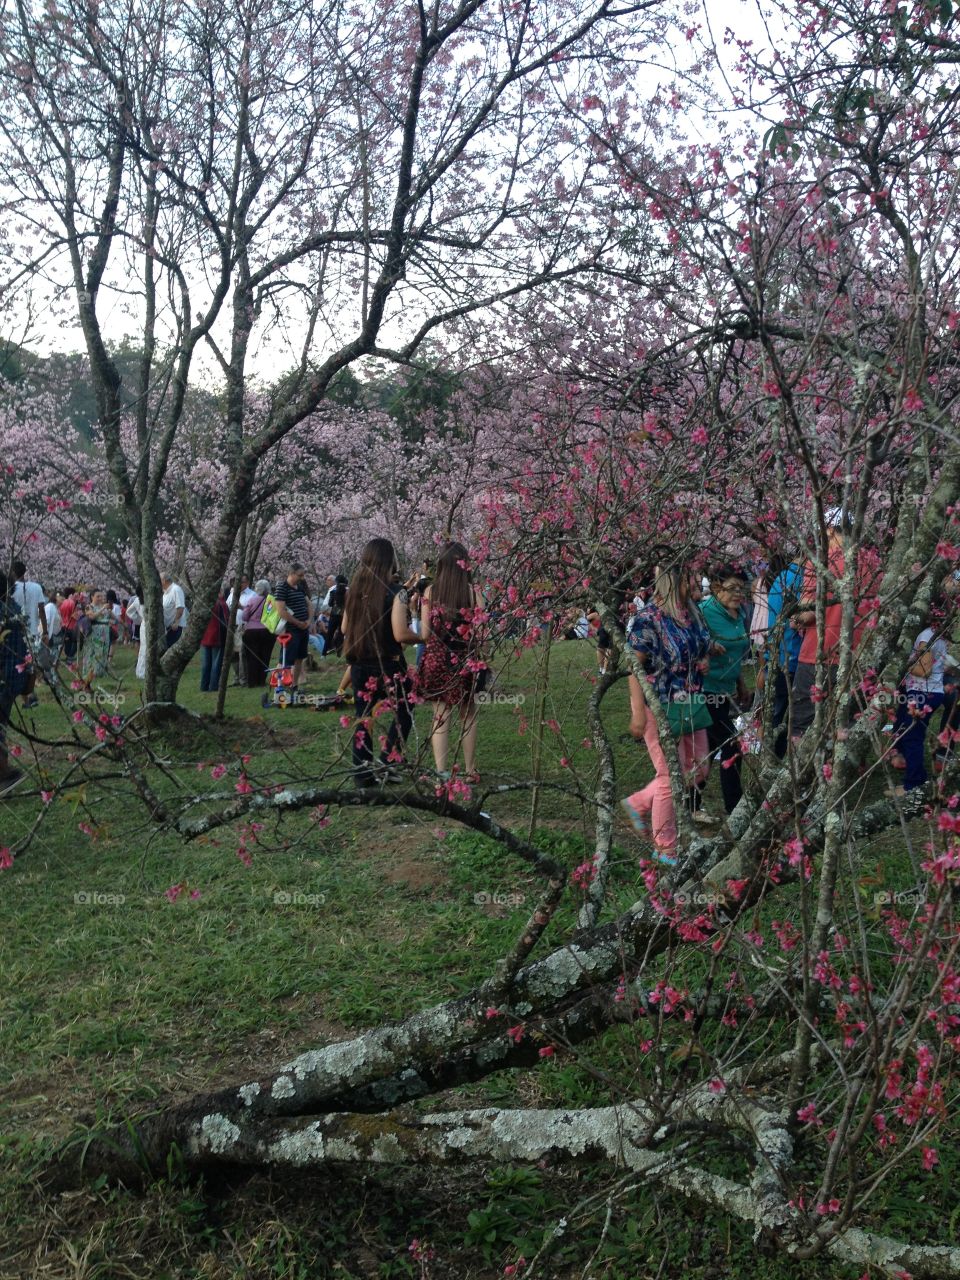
(783, 648)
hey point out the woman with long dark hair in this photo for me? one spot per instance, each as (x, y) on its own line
(376, 626)
(448, 676)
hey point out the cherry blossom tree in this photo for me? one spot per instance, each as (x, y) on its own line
(236, 174)
(787, 346)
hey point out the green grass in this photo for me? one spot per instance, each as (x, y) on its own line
(118, 1001)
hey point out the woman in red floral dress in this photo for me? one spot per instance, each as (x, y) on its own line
(449, 672)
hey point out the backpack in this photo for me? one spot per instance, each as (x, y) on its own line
(13, 653)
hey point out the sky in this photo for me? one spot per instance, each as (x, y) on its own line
(51, 324)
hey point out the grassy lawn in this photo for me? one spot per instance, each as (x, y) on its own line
(121, 990)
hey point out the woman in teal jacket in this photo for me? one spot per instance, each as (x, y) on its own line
(723, 684)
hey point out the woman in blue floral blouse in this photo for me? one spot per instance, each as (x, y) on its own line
(672, 643)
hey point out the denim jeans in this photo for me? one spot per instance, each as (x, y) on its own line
(722, 737)
(211, 659)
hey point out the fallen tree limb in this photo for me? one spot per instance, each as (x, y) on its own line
(456, 1042)
(626, 1136)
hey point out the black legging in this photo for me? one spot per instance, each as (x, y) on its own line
(390, 683)
(722, 737)
(334, 640)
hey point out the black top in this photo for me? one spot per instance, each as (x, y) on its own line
(393, 650)
(380, 647)
(294, 599)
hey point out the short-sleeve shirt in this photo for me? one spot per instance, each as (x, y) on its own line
(295, 600)
(54, 621)
(29, 596)
(174, 599)
(673, 651)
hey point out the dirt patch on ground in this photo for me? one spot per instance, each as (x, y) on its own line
(415, 872)
(50, 1103)
(260, 1054)
(409, 854)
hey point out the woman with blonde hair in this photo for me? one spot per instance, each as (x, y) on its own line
(451, 665)
(672, 645)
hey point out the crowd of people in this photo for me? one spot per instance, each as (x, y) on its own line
(692, 636)
(369, 621)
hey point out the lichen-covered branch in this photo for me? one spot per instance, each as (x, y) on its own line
(630, 1136)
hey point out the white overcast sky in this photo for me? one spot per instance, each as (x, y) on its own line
(119, 311)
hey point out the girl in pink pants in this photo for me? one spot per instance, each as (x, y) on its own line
(655, 801)
(672, 644)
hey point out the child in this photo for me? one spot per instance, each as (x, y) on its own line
(920, 696)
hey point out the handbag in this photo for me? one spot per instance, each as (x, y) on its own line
(270, 616)
(688, 714)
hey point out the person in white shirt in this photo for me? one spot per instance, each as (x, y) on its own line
(136, 617)
(239, 659)
(29, 596)
(174, 609)
(135, 614)
(246, 595)
(54, 628)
